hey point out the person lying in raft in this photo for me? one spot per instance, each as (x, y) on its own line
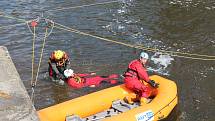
(58, 63)
(135, 77)
(87, 80)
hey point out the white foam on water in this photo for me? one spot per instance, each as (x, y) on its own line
(161, 62)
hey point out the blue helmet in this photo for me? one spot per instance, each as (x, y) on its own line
(144, 55)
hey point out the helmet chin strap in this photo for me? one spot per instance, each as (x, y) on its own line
(61, 62)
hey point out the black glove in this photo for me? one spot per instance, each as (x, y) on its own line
(153, 84)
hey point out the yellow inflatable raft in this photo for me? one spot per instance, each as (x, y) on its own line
(110, 100)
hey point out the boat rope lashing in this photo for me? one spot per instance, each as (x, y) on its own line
(172, 53)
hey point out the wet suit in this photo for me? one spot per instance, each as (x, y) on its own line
(135, 74)
(56, 70)
(87, 80)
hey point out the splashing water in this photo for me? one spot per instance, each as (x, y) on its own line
(161, 62)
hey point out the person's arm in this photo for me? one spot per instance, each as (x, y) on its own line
(54, 67)
(67, 64)
(142, 73)
(58, 74)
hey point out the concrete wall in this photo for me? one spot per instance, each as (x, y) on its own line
(15, 104)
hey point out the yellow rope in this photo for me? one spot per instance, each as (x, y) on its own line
(33, 83)
(11, 17)
(183, 53)
(32, 59)
(41, 56)
(172, 53)
(139, 47)
(14, 25)
(64, 8)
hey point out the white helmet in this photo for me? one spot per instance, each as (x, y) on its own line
(144, 55)
(68, 73)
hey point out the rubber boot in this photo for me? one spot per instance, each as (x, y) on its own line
(130, 98)
(144, 100)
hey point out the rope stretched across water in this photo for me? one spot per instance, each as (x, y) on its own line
(11, 17)
(14, 25)
(172, 53)
(65, 8)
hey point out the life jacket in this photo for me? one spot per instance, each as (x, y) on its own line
(75, 82)
(131, 71)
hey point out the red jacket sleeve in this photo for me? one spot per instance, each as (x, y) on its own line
(142, 73)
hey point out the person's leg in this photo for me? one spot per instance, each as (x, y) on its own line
(50, 71)
(53, 77)
(113, 76)
(96, 80)
(134, 85)
(154, 92)
(52, 74)
(148, 93)
(112, 79)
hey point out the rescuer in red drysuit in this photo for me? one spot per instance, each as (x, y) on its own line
(135, 74)
(87, 80)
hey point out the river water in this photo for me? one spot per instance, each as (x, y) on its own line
(175, 25)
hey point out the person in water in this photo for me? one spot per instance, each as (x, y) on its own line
(87, 80)
(58, 63)
(136, 75)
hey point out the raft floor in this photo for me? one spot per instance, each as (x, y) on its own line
(118, 106)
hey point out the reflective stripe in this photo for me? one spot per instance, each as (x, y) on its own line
(78, 79)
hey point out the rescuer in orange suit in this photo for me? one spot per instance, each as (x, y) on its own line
(134, 77)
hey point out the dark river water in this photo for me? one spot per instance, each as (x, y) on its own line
(186, 26)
